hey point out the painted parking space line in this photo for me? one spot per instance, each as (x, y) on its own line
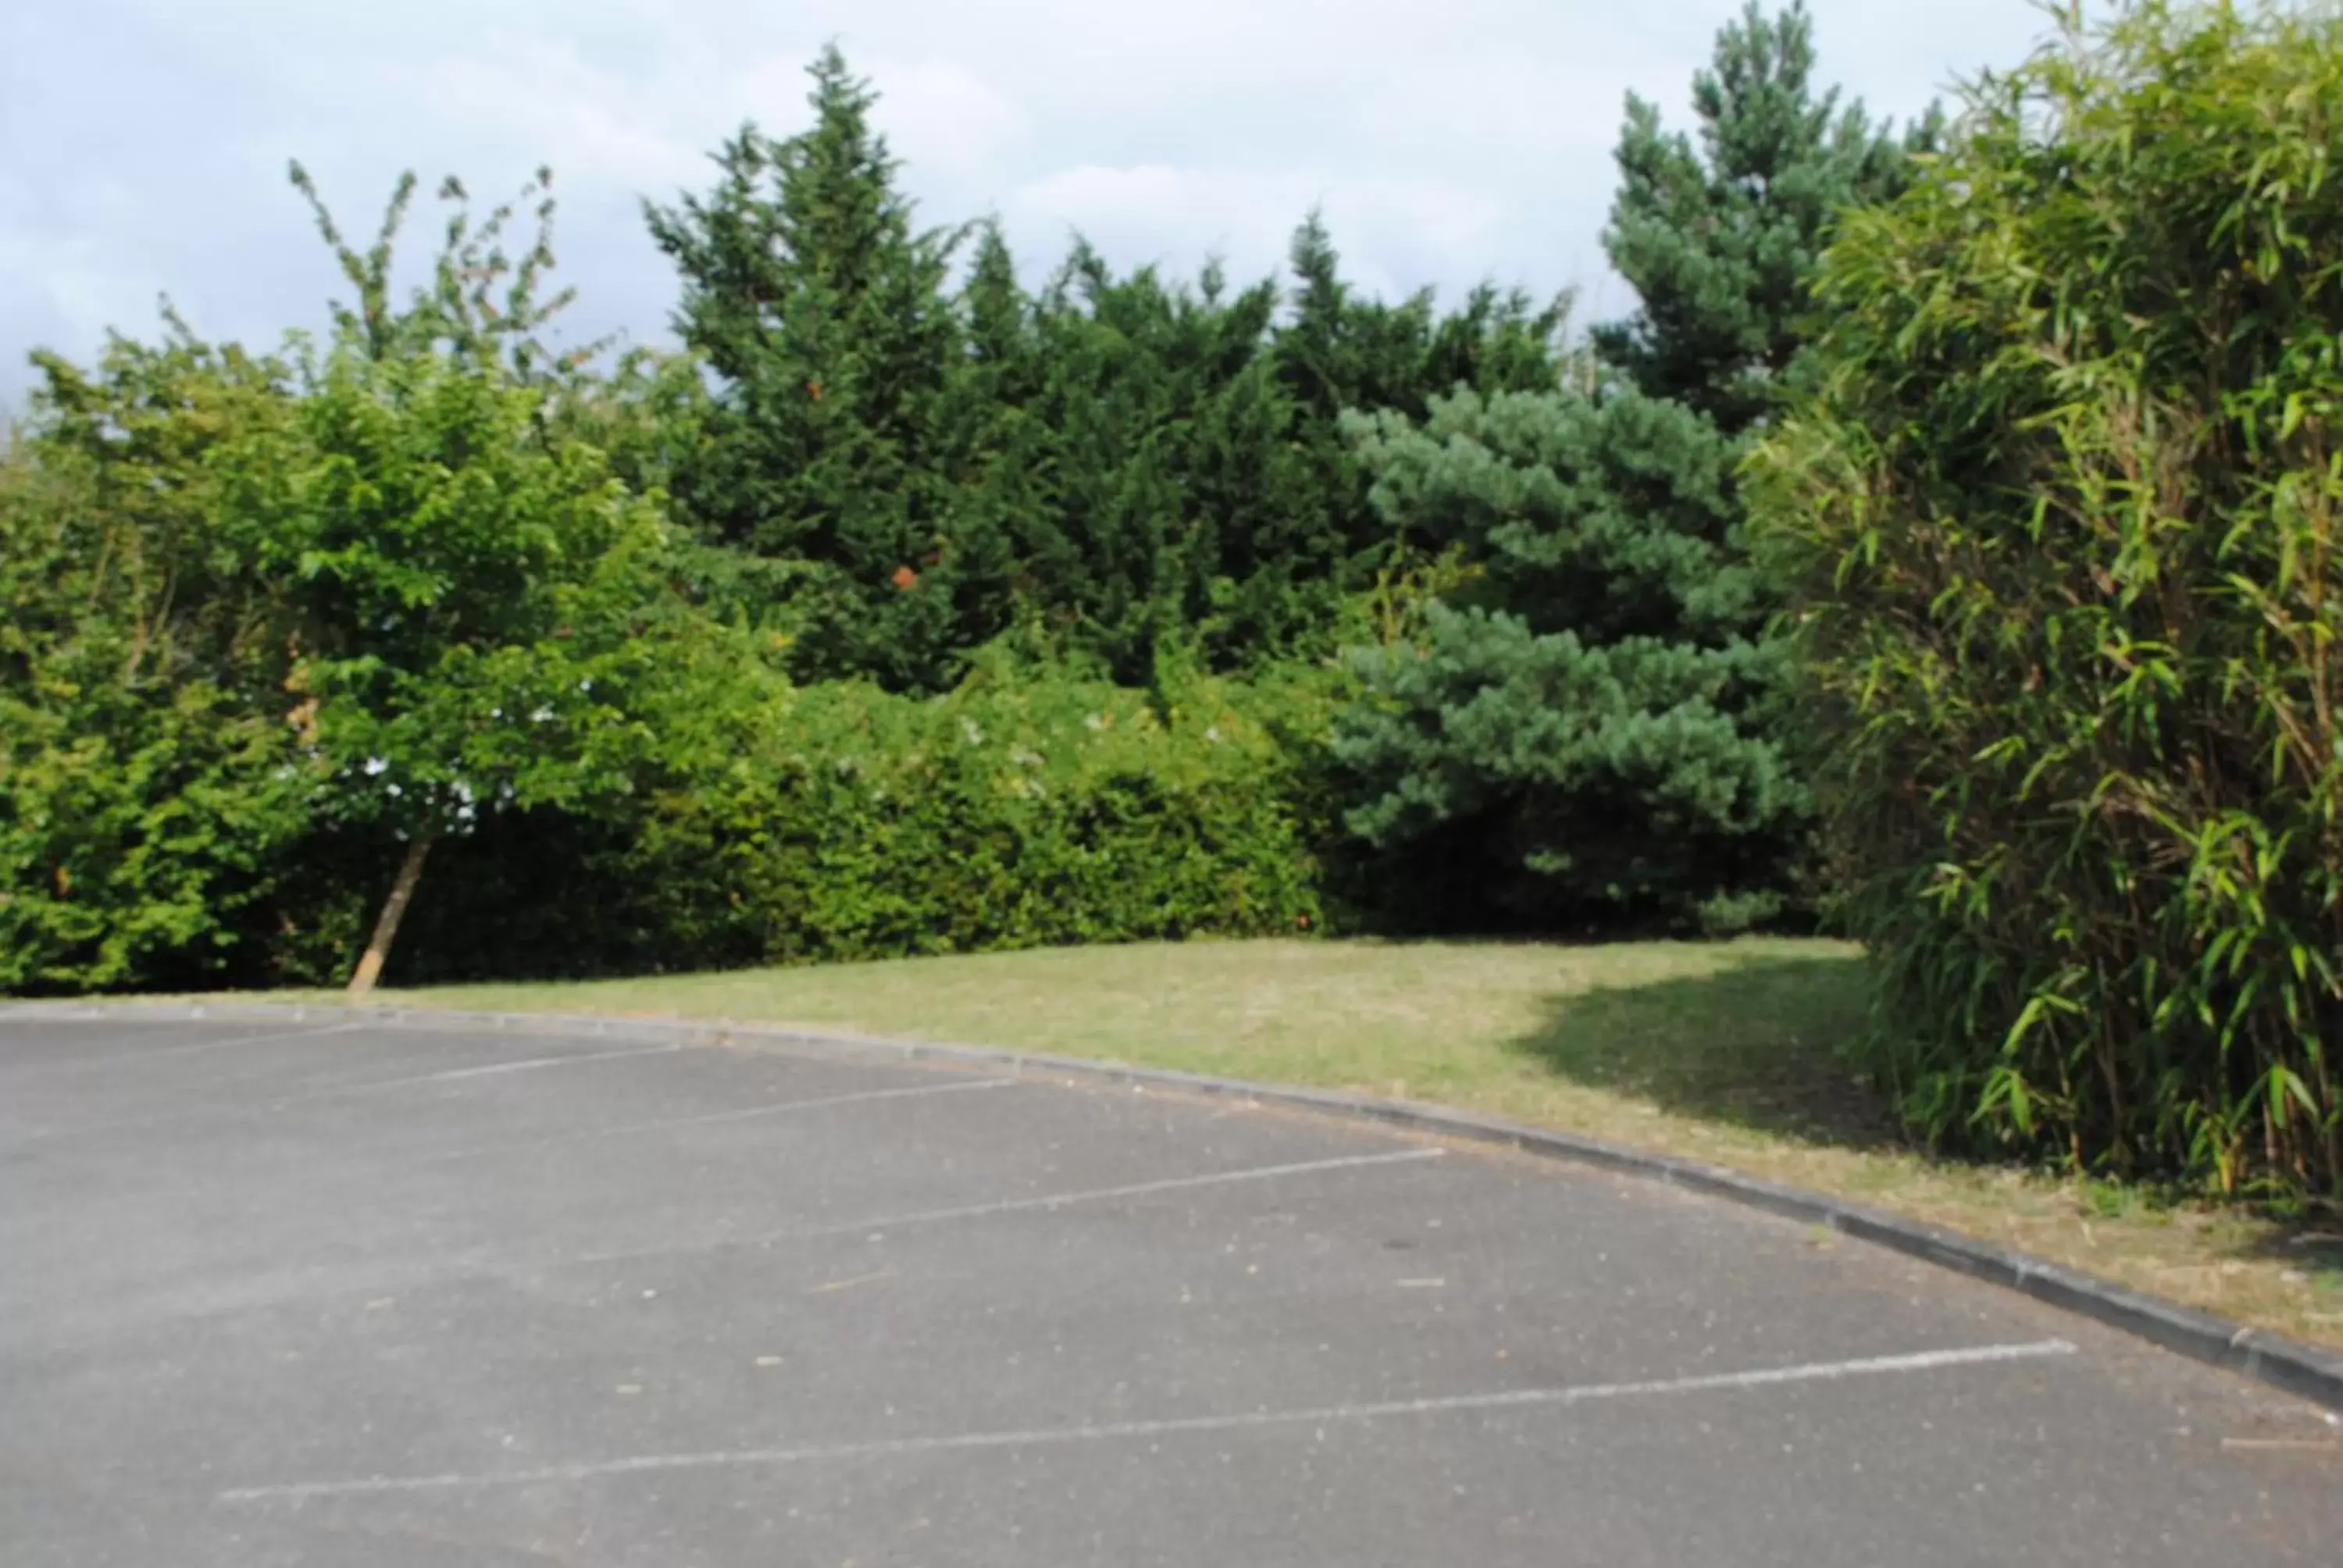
(338, 1091)
(1045, 1202)
(714, 1118)
(137, 1055)
(461, 1075)
(1049, 1202)
(1111, 1431)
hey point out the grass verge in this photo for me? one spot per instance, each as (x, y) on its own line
(1719, 1051)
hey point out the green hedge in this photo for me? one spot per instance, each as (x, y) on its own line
(1024, 809)
(1007, 814)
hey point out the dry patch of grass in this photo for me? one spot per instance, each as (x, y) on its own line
(1719, 1051)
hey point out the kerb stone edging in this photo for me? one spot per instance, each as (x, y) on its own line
(2305, 1370)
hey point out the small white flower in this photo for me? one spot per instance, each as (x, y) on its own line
(375, 766)
(394, 791)
(587, 684)
(974, 731)
(542, 716)
(1093, 721)
(1213, 733)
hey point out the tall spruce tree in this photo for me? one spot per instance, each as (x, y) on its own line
(1003, 451)
(826, 316)
(1591, 731)
(1720, 238)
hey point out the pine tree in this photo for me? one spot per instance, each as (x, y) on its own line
(825, 315)
(1593, 730)
(1581, 737)
(1720, 240)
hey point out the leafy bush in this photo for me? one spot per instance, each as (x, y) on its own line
(1012, 812)
(2063, 520)
(270, 616)
(149, 788)
(478, 612)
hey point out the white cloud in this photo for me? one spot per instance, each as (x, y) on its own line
(1152, 212)
(1446, 144)
(947, 121)
(1177, 218)
(533, 93)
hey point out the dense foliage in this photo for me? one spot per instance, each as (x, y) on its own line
(1590, 728)
(1025, 808)
(1031, 807)
(2061, 520)
(1941, 546)
(149, 787)
(686, 638)
(1130, 467)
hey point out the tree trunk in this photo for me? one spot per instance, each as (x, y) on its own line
(386, 926)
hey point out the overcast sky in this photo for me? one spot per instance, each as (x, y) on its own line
(1447, 140)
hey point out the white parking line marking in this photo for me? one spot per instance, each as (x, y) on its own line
(886, 1222)
(331, 1092)
(1106, 1195)
(197, 1047)
(492, 1070)
(1508, 1399)
(744, 1114)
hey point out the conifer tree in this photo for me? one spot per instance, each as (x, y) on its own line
(1167, 456)
(1591, 731)
(1125, 462)
(1340, 350)
(825, 315)
(1720, 238)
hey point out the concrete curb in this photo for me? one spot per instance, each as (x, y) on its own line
(2305, 1370)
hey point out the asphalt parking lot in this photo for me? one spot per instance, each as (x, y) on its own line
(329, 1293)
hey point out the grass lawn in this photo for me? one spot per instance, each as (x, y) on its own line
(1721, 1051)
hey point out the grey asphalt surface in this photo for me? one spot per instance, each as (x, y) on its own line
(306, 1293)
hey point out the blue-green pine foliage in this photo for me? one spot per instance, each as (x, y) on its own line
(1589, 731)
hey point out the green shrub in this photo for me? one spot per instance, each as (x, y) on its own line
(133, 834)
(2062, 517)
(149, 786)
(1012, 812)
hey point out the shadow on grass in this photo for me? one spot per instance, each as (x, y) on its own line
(2309, 1244)
(1756, 1043)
